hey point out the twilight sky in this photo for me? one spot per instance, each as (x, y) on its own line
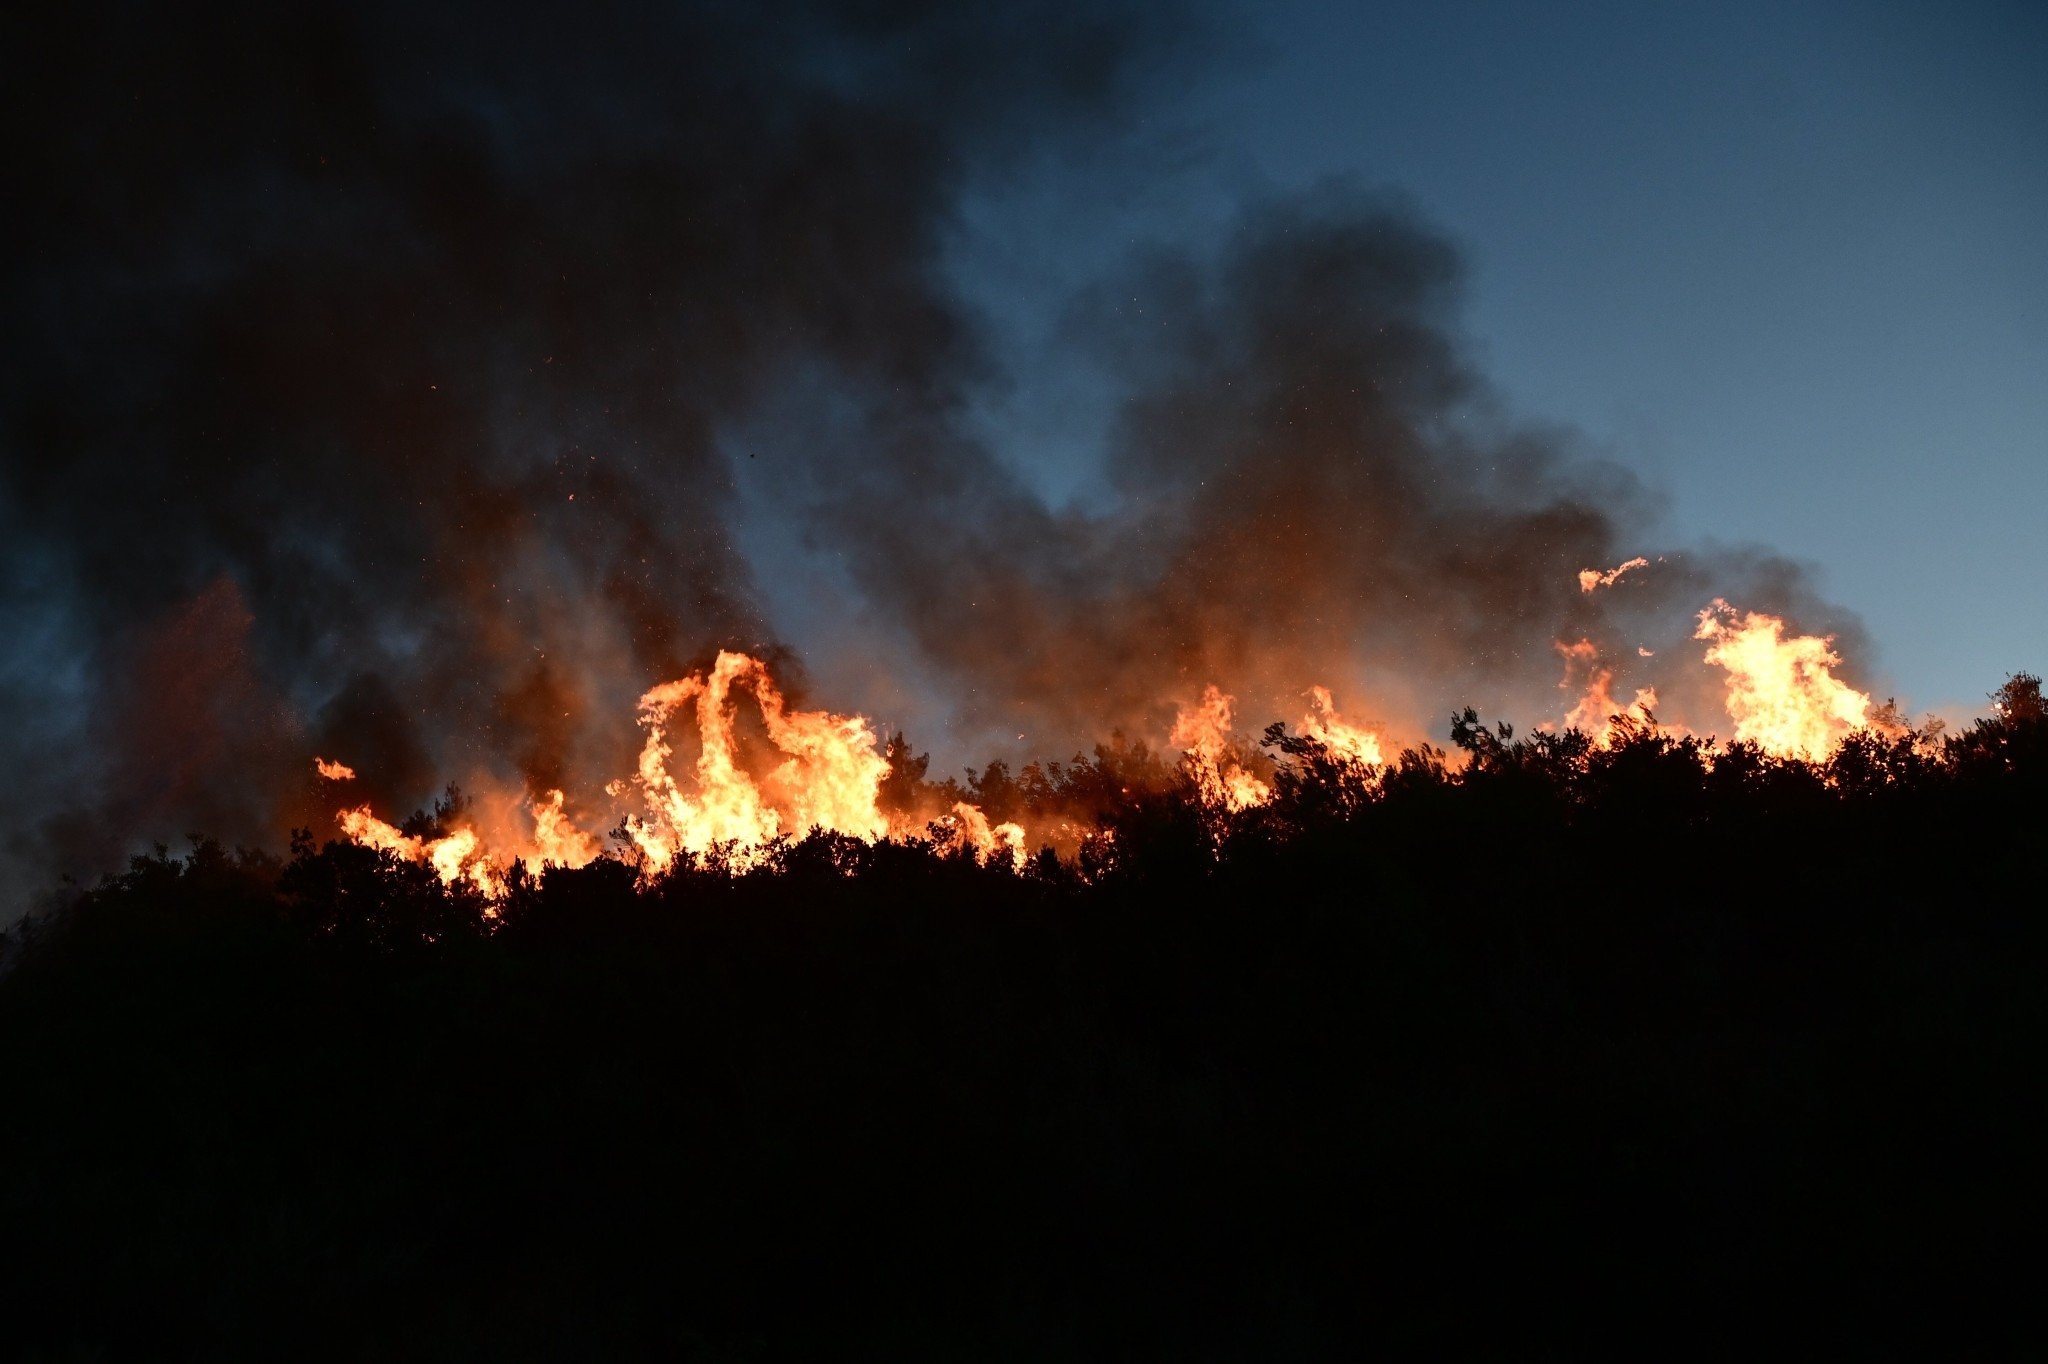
(1789, 261)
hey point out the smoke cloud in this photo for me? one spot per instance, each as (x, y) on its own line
(374, 373)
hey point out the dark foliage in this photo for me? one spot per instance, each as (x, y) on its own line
(1527, 1052)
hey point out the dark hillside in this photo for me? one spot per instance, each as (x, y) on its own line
(1530, 1055)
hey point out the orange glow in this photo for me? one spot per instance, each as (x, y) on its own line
(1782, 693)
(334, 771)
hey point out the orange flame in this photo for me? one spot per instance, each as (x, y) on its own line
(1782, 693)
(1597, 713)
(830, 779)
(1342, 739)
(1592, 579)
(987, 840)
(818, 770)
(457, 857)
(556, 839)
(1202, 732)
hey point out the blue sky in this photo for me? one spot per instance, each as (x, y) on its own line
(1787, 261)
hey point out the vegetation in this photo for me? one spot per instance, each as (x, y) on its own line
(1511, 1050)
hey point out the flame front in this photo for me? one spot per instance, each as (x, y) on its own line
(749, 786)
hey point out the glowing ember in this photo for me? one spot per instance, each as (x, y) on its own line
(1782, 693)
(1592, 579)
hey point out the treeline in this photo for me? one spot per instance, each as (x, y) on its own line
(1558, 1047)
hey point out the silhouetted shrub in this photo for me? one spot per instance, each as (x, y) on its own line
(1417, 1056)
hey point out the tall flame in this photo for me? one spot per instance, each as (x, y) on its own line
(1782, 693)
(1202, 732)
(557, 839)
(830, 779)
(1342, 739)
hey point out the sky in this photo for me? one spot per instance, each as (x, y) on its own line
(418, 384)
(1789, 261)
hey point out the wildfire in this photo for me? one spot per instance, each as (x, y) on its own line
(987, 840)
(825, 773)
(1202, 732)
(1782, 693)
(1597, 714)
(1344, 740)
(556, 839)
(761, 771)
(830, 778)
(457, 857)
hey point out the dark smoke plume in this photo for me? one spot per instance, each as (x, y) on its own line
(1313, 486)
(369, 366)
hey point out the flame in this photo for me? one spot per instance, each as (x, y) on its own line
(1202, 732)
(987, 840)
(457, 857)
(1343, 740)
(830, 779)
(1592, 579)
(557, 839)
(1597, 712)
(750, 786)
(1782, 693)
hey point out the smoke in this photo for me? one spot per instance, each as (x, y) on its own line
(1311, 484)
(374, 373)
